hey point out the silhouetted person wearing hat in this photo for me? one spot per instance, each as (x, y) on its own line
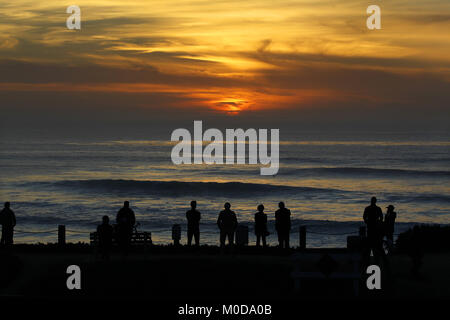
(373, 217)
(227, 223)
(283, 225)
(8, 222)
(105, 236)
(125, 222)
(389, 222)
(260, 226)
(193, 220)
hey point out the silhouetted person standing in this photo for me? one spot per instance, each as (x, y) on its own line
(193, 219)
(283, 225)
(8, 222)
(227, 223)
(260, 226)
(389, 222)
(105, 235)
(373, 217)
(125, 222)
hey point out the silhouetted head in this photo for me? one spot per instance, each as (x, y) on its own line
(227, 205)
(126, 204)
(105, 220)
(260, 208)
(373, 201)
(193, 204)
(390, 208)
(281, 205)
(7, 204)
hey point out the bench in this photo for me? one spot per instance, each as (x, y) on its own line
(330, 265)
(137, 238)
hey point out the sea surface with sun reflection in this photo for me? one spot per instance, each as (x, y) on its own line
(326, 181)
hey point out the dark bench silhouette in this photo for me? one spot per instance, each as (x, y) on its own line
(137, 238)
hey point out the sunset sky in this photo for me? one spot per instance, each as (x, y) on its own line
(169, 62)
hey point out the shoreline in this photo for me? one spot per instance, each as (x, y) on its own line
(320, 233)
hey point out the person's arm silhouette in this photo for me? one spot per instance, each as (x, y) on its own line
(289, 219)
(13, 218)
(219, 220)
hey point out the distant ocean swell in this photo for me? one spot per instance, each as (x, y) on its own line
(360, 171)
(180, 188)
(225, 189)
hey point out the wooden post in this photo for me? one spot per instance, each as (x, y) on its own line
(362, 231)
(145, 240)
(176, 234)
(302, 237)
(61, 235)
(242, 235)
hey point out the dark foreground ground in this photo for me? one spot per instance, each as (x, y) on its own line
(169, 273)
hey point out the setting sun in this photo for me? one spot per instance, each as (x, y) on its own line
(231, 106)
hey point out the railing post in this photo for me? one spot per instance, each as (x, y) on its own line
(145, 241)
(61, 235)
(302, 237)
(176, 234)
(242, 235)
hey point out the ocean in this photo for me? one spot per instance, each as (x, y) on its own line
(326, 180)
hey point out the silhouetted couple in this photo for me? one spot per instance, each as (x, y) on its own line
(376, 228)
(8, 222)
(282, 225)
(125, 221)
(227, 223)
